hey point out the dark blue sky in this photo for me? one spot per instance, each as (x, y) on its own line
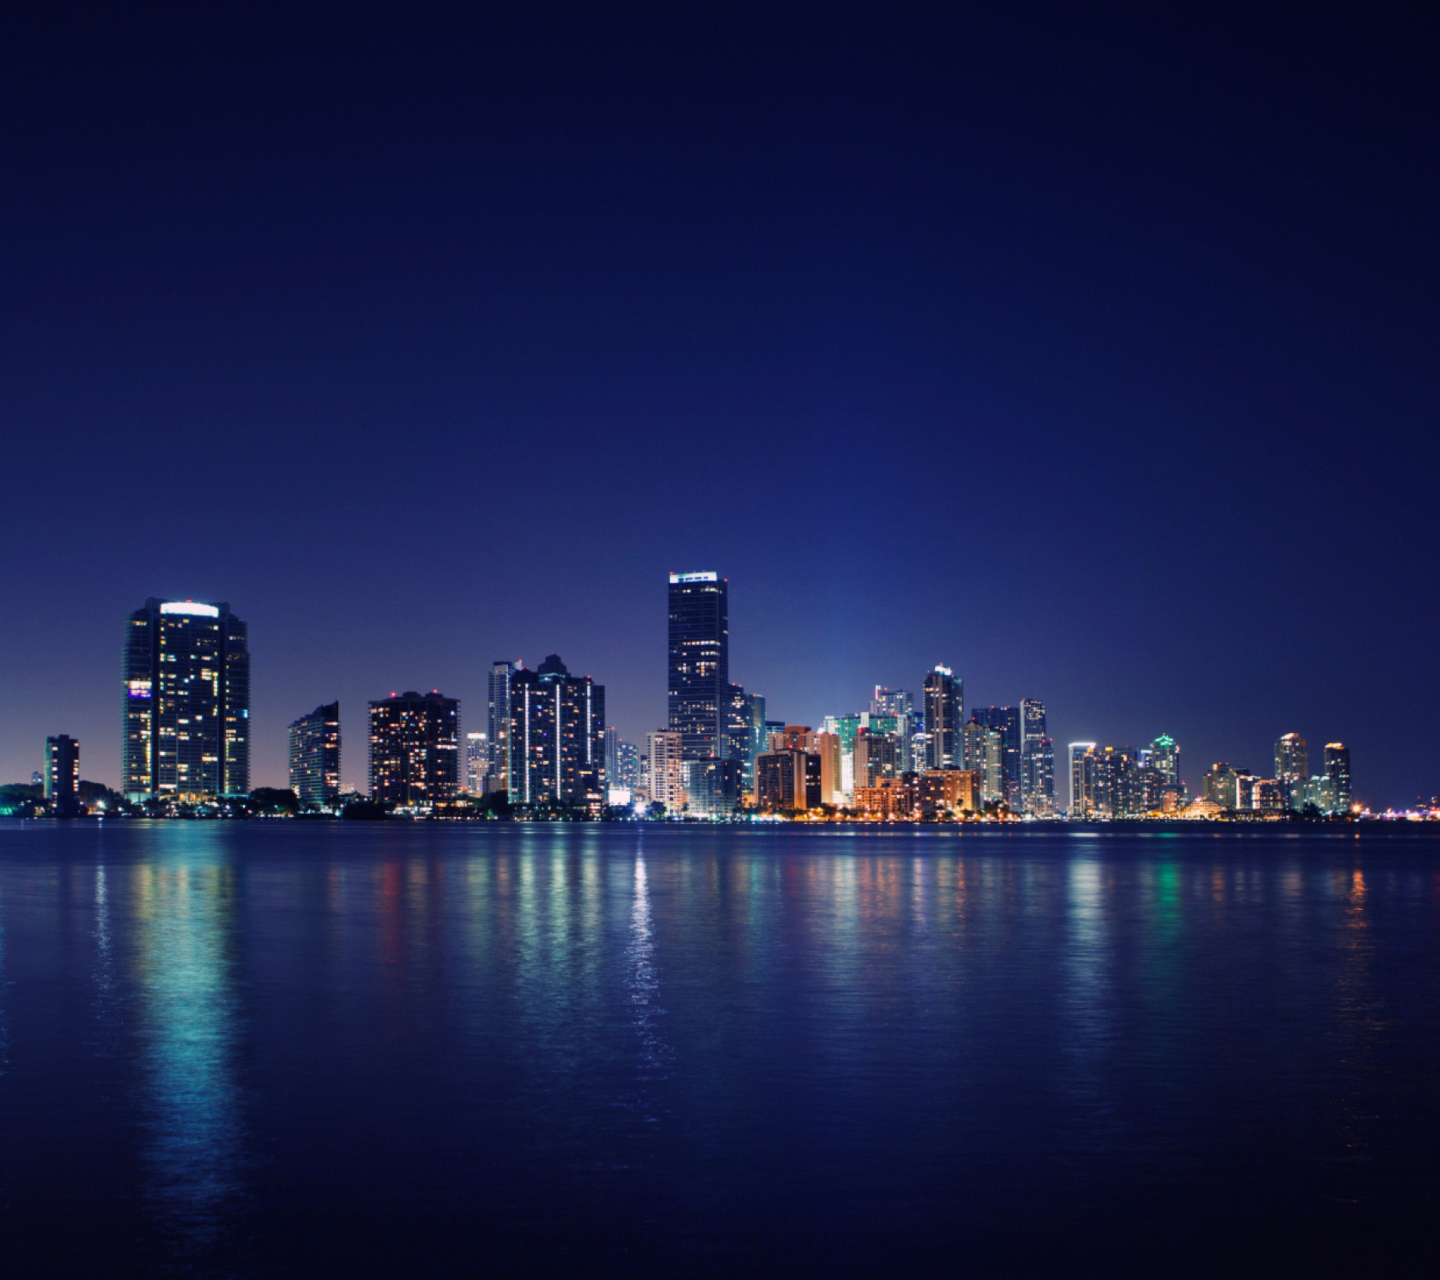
(1093, 353)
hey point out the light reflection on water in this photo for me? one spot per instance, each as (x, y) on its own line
(184, 908)
(716, 1026)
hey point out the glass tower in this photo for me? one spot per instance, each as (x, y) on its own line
(187, 702)
(944, 716)
(699, 663)
(501, 674)
(414, 749)
(315, 757)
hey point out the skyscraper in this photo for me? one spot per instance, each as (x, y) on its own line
(983, 753)
(315, 757)
(187, 702)
(1337, 771)
(1006, 722)
(414, 749)
(557, 737)
(666, 779)
(944, 716)
(699, 663)
(1037, 761)
(892, 702)
(62, 775)
(477, 763)
(1164, 757)
(1082, 799)
(501, 673)
(1292, 763)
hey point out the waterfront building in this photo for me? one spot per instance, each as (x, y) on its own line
(1163, 755)
(942, 791)
(944, 716)
(1292, 761)
(414, 749)
(1219, 785)
(699, 663)
(983, 753)
(557, 737)
(876, 755)
(1006, 722)
(187, 703)
(1268, 795)
(787, 780)
(666, 781)
(1082, 799)
(827, 747)
(1318, 791)
(712, 787)
(888, 798)
(477, 763)
(627, 777)
(502, 673)
(315, 757)
(1037, 761)
(62, 775)
(1337, 770)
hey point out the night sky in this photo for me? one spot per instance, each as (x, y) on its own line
(1092, 353)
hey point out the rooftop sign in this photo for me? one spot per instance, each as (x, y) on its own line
(694, 577)
(189, 607)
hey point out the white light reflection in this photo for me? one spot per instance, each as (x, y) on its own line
(646, 1013)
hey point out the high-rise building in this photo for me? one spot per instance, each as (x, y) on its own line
(627, 769)
(1006, 722)
(62, 775)
(1337, 770)
(187, 702)
(666, 781)
(315, 757)
(414, 749)
(877, 755)
(1082, 799)
(501, 674)
(712, 787)
(1292, 759)
(944, 716)
(787, 779)
(1221, 785)
(827, 747)
(1164, 757)
(983, 753)
(1037, 761)
(892, 702)
(477, 763)
(557, 737)
(699, 663)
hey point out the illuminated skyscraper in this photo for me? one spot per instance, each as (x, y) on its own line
(315, 757)
(944, 716)
(1082, 796)
(1037, 761)
(414, 749)
(1292, 762)
(557, 737)
(1164, 757)
(501, 673)
(187, 702)
(62, 775)
(892, 702)
(1337, 772)
(983, 753)
(477, 763)
(1006, 722)
(699, 663)
(665, 778)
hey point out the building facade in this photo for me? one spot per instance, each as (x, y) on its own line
(414, 749)
(557, 737)
(787, 780)
(698, 684)
(315, 757)
(477, 763)
(944, 718)
(62, 775)
(498, 706)
(187, 703)
(1037, 761)
(1337, 771)
(665, 777)
(1292, 761)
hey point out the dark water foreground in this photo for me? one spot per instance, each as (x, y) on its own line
(297, 1049)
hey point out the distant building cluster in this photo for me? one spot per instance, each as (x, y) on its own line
(546, 751)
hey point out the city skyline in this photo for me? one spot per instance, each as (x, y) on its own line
(547, 740)
(831, 302)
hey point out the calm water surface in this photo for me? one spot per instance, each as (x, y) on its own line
(396, 1049)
